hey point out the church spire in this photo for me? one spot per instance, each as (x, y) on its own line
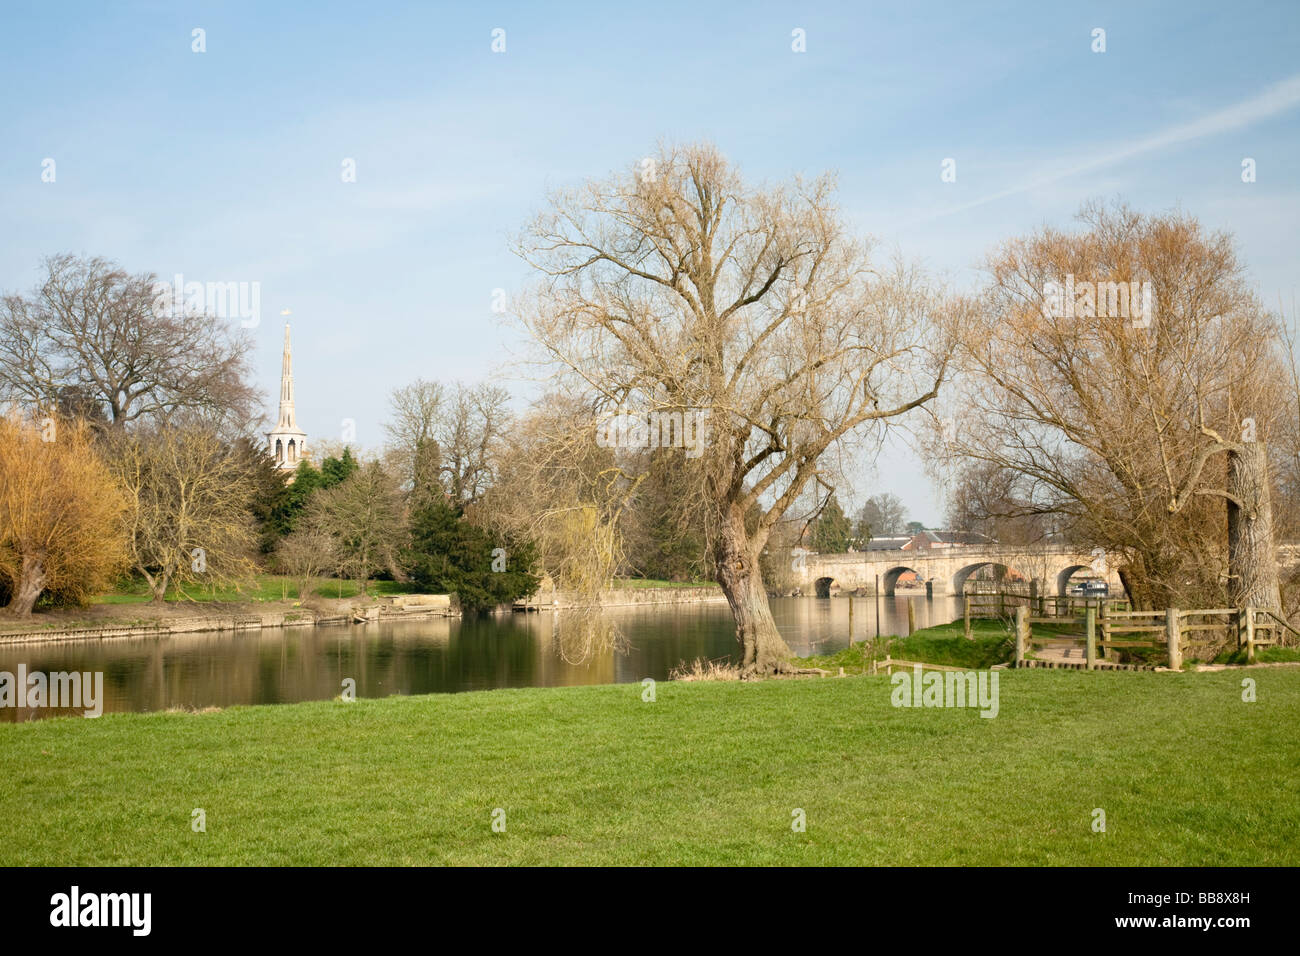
(285, 442)
(286, 384)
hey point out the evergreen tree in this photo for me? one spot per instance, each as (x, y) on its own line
(290, 503)
(335, 471)
(447, 554)
(833, 531)
(271, 496)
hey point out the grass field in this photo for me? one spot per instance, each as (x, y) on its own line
(991, 643)
(709, 773)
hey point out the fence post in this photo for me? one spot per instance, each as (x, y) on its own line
(1033, 597)
(1101, 618)
(966, 602)
(876, 594)
(1250, 635)
(1090, 630)
(911, 617)
(850, 620)
(1174, 639)
(1022, 627)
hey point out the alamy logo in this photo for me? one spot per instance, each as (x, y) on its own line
(225, 300)
(102, 909)
(947, 689)
(75, 690)
(687, 429)
(1086, 300)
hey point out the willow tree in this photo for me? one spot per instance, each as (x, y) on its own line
(558, 489)
(60, 514)
(681, 291)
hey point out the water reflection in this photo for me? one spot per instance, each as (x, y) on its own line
(441, 655)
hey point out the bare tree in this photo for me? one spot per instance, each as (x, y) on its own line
(881, 514)
(306, 555)
(448, 437)
(989, 499)
(364, 517)
(1128, 377)
(681, 290)
(469, 438)
(188, 519)
(107, 338)
(415, 414)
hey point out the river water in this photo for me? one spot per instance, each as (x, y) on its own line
(443, 655)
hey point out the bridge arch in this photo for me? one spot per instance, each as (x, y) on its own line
(1067, 572)
(890, 578)
(822, 587)
(965, 573)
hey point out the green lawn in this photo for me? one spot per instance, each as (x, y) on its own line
(1263, 655)
(709, 773)
(991, 643)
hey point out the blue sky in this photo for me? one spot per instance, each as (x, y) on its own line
(225, 165)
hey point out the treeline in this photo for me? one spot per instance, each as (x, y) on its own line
(183, 509)
(1119, 386)
(128, 448)
(832, 531)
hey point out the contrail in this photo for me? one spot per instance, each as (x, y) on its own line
(1276, 99)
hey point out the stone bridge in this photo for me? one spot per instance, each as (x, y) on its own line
(945, 570)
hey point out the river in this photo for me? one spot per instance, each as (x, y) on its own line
(441, 655)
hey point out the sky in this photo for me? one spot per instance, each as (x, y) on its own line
(229, 164)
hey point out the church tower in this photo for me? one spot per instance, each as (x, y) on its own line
(286, 440)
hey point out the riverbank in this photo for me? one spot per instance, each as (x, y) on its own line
(108, 621)
(647, 594)
(707, 773)
(130, 613)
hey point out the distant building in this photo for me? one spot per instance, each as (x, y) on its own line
(286, 443)
(888, 543)
(941, 540)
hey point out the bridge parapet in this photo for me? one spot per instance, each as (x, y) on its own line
(946, 569)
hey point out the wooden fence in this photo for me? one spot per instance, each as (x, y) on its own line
(1054, 609)
(1122, 629)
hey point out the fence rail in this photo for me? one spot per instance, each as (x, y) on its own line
(1252, 627)
(1046, 609)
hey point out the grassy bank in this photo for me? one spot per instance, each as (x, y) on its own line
(130, 604)
(945, 644)
(277, 587)
(1264, 655)
(708, 773)
(261, 589)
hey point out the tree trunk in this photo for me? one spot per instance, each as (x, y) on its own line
(31, 583)
(157, 585)
(764, 650)
(1252, 557)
